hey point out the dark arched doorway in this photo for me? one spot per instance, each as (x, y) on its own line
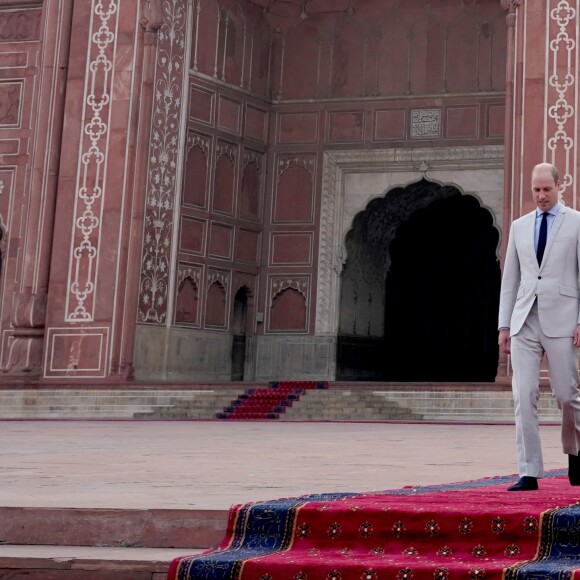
(420, 287)
(239, 331)
(442, 293)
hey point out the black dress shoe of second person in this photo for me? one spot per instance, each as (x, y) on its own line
(525, 483)
(574, 469)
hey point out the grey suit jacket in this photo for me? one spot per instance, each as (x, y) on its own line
(555, 283)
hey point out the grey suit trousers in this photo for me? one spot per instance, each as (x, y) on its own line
(527, 349)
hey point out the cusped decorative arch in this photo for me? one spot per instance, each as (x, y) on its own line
(351, 179)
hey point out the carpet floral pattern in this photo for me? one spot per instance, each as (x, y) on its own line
(473, 531)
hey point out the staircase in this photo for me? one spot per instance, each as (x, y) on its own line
(344, 404)
(268, 403)
(285, 401)
(102, 544)
(87, 403)
(466, 405)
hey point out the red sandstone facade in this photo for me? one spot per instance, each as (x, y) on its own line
(180, 180)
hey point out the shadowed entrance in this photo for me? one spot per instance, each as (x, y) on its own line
(420, 288)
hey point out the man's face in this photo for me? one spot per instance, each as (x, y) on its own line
(544, 189)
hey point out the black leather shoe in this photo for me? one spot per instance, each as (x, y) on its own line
(525, 483)
(574, 469)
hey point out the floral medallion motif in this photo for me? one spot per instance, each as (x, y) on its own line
(334, 530)
(432, 528)
(465, 526)
(530, 524)
(303, 531)
(498, 525)
(398, 529)
(512, 550)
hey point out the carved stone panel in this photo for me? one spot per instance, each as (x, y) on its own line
(19, 26)
(252, 186)
(294, 194)
(226, 156)
(163, 164)
(289, 303)
(188, 294)
(425, 123)
(197, 170)
(217, 299)
(10, 103)
(91, 188)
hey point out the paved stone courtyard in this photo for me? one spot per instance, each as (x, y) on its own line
(212, 465)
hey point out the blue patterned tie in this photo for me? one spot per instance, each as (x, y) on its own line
(542, 238)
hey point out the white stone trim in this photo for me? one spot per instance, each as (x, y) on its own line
(392, 168)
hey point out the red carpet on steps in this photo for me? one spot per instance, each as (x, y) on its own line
(472, 531)
(270, 402)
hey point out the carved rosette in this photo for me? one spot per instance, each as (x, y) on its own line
(91, 183)
(163, 163)
(561, 87)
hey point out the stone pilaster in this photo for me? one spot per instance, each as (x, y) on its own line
(541, 102)
(33, 213)
(542, 97)
(85, 309)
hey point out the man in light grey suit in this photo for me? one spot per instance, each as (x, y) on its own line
(539, 313)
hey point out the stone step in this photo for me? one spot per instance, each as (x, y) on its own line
(116, 528)
(460, 405)
(86, 562)
(491, 406)
(341, 402)
(113, 404)
(328, 405)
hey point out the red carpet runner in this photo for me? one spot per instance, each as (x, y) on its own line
(473, 531)
(270, 402)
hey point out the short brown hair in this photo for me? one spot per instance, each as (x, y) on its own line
(553, 170)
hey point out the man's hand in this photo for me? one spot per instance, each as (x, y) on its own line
(504, 340)
(577, 336)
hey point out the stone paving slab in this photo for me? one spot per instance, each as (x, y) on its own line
(62, 556)
(212, 465)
